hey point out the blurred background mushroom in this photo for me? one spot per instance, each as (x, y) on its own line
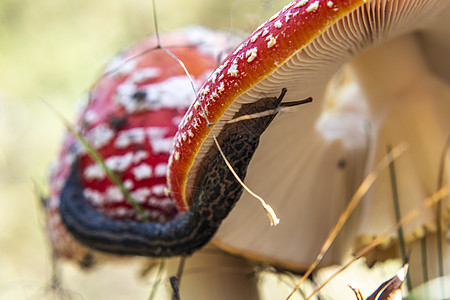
(129, 119)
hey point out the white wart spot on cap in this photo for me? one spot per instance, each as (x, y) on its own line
(159, 190)
(271, 41)
(288, 16)
(100, 136)
(145, 74)
(143, 171)
(206, 41)
(301, 3)
(174, 92)
(90, 117)
(204, 91)
(94, 172)
(251, 54)
(128, 184)
(255, 36)
(239, 48)
(129, 137)
(313, 6)
(161, 145)
(176, 155)
(119, 163)
(140, 155)
(161, 170)
(114, 194)
(233, 71)
(156, 132)
(221, 87)
(278, 24)
(141, 195)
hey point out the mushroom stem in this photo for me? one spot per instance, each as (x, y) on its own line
(391, 73)
(211, 273)
(190, 230)
(407, 102)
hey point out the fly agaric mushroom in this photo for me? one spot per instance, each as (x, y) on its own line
(130, 119)
(304, 166)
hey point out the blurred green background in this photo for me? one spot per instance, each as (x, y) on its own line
(53, 51)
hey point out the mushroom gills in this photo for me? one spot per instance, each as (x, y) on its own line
(294, 168)
(215, 193)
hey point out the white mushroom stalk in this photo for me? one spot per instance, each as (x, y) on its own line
(310, 162)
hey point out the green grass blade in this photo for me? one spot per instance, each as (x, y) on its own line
(398, 217)
(158, 279)
(97, 158)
